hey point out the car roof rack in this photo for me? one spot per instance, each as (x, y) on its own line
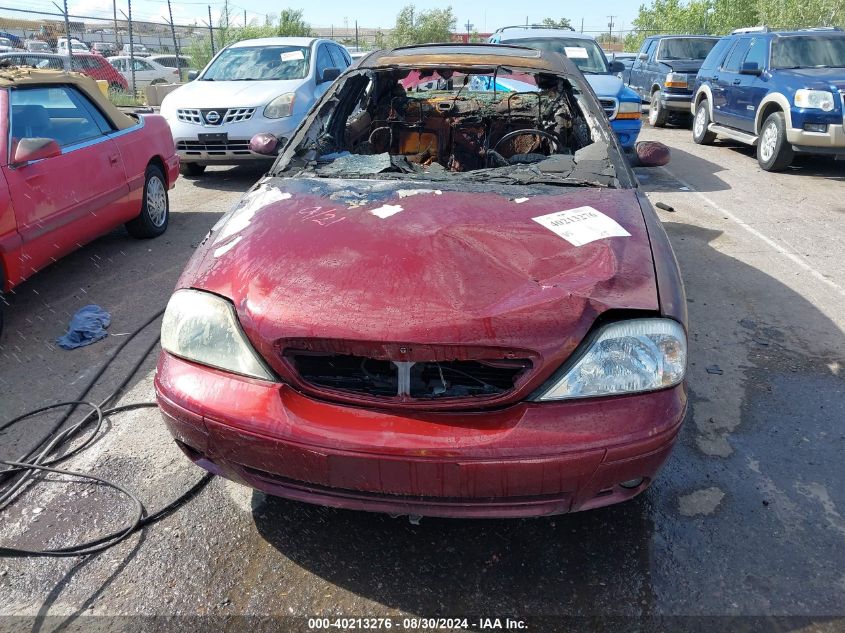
(823, 28)
(752, 29)
(535, 26)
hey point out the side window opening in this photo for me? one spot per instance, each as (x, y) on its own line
(60, 113)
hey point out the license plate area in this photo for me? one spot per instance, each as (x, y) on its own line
(215, 137)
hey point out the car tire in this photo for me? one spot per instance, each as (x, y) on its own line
(700, 132)
(155, 207)
(192, 169)
(774, 153)
(657, 114)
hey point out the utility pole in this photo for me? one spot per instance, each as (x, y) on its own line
(210, 31)
(67, 32)
(131, 46)
(114, 10)
(175, 43)
(582, 25)
(244, 17)
(357, 48)
(610, 27)
(468, 26)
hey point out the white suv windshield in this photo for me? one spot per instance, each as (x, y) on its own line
(256, 63)
(585, 53)
(804, 51)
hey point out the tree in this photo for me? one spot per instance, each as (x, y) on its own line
(563, 23)
(718, 17)
(289, 23)
(425, 27)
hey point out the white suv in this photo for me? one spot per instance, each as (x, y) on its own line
(262, 85)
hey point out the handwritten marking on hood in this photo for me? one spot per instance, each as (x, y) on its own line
(582, 225)
(406, 193)
(227, 247)
(386, 211)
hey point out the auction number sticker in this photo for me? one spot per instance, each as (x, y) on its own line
(576, 52)
(582, 225)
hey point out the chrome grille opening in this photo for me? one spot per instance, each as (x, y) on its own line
(188, 115)
(610, 107)
(429, 380)
(236, 115)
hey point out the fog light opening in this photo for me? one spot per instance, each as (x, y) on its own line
(632, 483)
(815, 127)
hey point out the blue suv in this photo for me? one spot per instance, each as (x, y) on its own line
(779, 91)
(622, 105)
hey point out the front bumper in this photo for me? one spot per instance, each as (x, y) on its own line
(676, 102)
(831, 142)
(527, 460)
(627, 131)
(236, 148)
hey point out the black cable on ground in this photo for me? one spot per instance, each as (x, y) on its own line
(59, 444)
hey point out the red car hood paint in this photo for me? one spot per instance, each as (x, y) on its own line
(303, 258)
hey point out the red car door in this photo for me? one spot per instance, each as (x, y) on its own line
(63, 201)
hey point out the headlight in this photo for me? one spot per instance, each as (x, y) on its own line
(279, 107)
(816, 99)
(675, 80)
(626, 357)
(203, 327)
(629, 110)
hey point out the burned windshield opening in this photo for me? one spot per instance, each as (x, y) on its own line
(446, 123)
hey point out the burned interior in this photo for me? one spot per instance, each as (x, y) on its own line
(441, 123)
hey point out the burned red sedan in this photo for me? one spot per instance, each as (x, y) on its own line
(448, 297)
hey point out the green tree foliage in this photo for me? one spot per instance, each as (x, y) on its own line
(288, 23)
(722, 16)
(423, 27)
(563, 23)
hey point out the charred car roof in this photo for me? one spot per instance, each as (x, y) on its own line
(485, 55)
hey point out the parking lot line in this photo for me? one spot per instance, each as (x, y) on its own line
(759, 235)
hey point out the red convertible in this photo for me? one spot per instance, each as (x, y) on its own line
(446, 298)
(74, 167)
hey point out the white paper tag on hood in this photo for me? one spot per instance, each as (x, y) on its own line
(582, 225)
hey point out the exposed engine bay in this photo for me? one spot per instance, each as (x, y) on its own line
(449, 121)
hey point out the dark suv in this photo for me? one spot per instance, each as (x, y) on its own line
(780, 91)
(664, 71)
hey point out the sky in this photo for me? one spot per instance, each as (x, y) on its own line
(485, 16)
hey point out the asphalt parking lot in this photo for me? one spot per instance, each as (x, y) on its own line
(747, 518)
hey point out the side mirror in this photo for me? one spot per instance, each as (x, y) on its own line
(31, 149)
(642, 57)
(751, 68)
(329, 74)
(193, 74)
(264, 143)
(616, 67)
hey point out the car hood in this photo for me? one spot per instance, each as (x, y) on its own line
(815, 78)
(690, 66)
(605, 85)
(229, 94)
(374, 261)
